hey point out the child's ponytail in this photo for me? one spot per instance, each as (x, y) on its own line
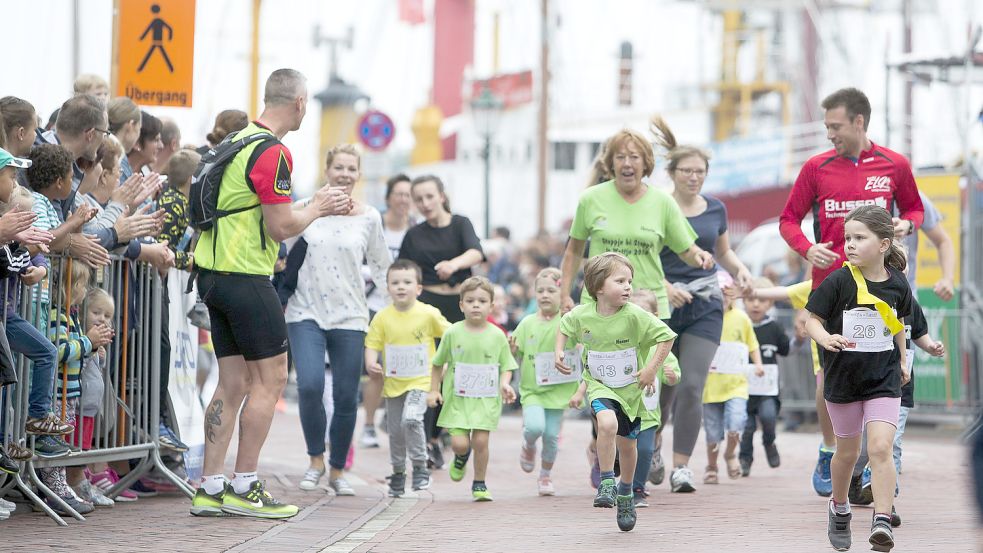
(895, 257)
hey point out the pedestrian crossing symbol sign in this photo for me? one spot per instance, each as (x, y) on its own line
(155, 52)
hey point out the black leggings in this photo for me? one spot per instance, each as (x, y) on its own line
(450, 307)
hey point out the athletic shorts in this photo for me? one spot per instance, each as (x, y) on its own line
(849, 419)
(246, 315)
(627, 428)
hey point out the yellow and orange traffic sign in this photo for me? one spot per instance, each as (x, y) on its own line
(156, 51)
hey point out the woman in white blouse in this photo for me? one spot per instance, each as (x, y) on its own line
(328, 311)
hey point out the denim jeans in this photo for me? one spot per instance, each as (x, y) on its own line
(346, 351)
(902, 422)
(766, 409)
(645, 445)
(27, 340)
(725, 416)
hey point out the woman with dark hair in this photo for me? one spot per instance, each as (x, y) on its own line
(396, 220)
(226, 122)
(147, 146)
(445, 247)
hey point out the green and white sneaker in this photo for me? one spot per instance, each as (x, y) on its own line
(256, 502)
(458, 465)
(207, 505)
(480, 493)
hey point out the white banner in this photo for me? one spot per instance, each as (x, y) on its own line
(182, 386)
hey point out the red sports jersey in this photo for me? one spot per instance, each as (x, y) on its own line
(831, 186)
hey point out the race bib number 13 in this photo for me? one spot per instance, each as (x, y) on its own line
(613, 368)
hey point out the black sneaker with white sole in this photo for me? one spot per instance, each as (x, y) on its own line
(838, 529)
(881, 537)
(895, 518)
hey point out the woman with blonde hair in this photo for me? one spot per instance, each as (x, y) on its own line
(328, 312)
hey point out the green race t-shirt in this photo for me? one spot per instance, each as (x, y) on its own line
(639, 231)
(615, 347)
(476, 352)
(533, 337)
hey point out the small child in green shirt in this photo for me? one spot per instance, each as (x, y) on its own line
(479, 366)
(617, 336)
(543, 391)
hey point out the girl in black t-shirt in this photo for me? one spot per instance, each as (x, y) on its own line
(855, 319)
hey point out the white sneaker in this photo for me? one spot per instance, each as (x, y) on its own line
(546, 486)
(311, 479)
(681, 480)
(87, 492)
(4, 514)
(527, 458)
(7, 505)
(341, 487)
(369, 438)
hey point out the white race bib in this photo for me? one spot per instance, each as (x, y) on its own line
(613, 368)
(406, 361)
(865, 331)
(476, 380)
(546, 373)
(766, 385)
(651, 401)
(910, 361)
(731, 358)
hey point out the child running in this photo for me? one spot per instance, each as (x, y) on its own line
(669, 374)
(854, 317)
(479, 366)
(726, 392)
(764, 406)
(617, 336)
(404, 334)
(543, 391)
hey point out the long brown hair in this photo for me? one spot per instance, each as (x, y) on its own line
(675, 152)
(878, 220)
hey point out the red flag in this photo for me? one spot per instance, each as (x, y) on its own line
(411, 11)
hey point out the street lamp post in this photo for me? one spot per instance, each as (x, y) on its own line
(486, 108)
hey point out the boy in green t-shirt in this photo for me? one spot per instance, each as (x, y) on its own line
(479, 368)
(404, 333)
(617, 336)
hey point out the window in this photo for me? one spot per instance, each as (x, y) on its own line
(564, 156)
(624, 74)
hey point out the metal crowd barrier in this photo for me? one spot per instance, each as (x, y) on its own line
(128, 427)
(946, 389)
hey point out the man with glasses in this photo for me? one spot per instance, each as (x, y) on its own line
(81, 126)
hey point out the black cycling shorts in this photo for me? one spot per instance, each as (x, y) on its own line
(626, 427)
(246, 315)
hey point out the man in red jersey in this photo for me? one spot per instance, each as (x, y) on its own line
(855, 172)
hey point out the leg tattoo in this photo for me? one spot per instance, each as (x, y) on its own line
(213, 418)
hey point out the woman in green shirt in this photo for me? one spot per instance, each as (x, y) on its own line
(627, 216)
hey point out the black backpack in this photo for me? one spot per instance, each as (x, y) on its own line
(207, 180)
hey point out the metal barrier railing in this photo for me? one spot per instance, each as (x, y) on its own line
(944, 387)
(127, 426)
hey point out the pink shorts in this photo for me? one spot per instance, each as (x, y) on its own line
(82, 436)
(849, 419)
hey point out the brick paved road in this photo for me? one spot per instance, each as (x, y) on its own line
(774, 510)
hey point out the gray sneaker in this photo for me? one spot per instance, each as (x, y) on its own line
(311, 479)
(342, 487)
(657, 472)
(881, 537)
(397, 484)
(605, 494)
(838, 529)
(626, 513)
(421, 479)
